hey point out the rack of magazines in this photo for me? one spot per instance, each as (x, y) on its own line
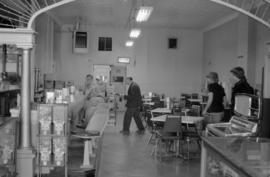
(8, 144)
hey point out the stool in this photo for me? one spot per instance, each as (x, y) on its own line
(89, 142)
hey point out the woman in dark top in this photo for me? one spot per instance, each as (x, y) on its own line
(214, 110)
(240, 84)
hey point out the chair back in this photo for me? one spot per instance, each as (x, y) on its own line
(195, 110)
(194, 95)
(173, 124)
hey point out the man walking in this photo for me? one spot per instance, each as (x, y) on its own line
(134, 102)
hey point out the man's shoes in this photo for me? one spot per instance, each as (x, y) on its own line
(124, 132)
(140, 132)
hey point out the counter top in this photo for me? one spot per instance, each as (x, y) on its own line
(250, 155)
(12, 90)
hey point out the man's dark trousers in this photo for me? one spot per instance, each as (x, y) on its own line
(135, 113)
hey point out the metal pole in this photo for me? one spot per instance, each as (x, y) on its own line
(4, 61)
(25, 101)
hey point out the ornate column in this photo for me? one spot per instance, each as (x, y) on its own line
(23, 39)
(25, 100)
(25, 155)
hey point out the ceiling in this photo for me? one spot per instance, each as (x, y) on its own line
(196, 14)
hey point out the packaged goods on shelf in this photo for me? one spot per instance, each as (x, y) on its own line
(45, 118)
(59, 118)
(58, 96)
(59, 145)
(6, 150)
(45, 150)
(50, 97)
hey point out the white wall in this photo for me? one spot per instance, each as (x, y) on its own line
(224, 44)
(44, 49)
(220, 50)
(263, 36)
(74, 66)
(154, 67)
(168, 71)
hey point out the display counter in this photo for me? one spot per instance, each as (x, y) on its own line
(235, 157)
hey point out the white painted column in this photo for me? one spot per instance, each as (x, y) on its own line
(25, 100)
(25, 155)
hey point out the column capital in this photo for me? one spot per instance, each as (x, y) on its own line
(21, 37)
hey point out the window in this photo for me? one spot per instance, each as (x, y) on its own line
(105, 44)
(172, 43)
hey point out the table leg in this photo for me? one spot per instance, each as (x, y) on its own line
(203, 161)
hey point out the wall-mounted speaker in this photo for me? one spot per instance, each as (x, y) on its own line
(80, 42)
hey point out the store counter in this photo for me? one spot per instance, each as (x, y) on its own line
(92, 137)
(235, 157)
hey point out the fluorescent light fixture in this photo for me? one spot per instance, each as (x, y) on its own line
(129, 43)
(124, 60)
(144, 13)
(135, 33)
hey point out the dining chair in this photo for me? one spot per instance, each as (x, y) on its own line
(153, 127)
(191, 134)
(170, 134)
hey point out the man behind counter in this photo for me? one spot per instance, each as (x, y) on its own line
(134, 103)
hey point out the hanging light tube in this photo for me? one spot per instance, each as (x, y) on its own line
(135, 33)
(144, 13)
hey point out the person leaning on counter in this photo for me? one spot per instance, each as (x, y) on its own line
(214, 110)
(76, 109)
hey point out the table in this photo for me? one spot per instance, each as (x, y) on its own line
(195, 100)
(147, 99)
(162, 110)
(185, 119)
(149, 103)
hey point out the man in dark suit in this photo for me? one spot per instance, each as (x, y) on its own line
(134, 102)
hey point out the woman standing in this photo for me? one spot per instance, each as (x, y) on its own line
(214, 110)
(240, 84)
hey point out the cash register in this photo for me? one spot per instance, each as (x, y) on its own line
(244, 122)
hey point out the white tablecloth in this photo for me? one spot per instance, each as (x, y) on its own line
(185, 119)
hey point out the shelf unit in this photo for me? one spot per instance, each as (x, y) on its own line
(52, 144)
(8, 144)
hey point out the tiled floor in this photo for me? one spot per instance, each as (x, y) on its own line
(129, 156)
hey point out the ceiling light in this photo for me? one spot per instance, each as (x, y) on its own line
(129, 43)
(144, 13)
(135, 33)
